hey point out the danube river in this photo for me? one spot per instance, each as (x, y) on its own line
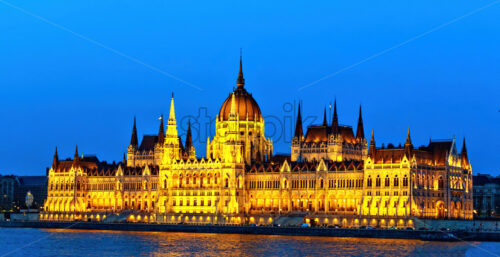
(58, 242)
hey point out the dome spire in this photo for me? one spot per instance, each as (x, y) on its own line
(240, 82)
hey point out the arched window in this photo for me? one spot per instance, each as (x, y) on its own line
(165, 183)
(441, 183)
(369, 181)
(405, 181)
(396, 181)
(387, 181)
(377, 181)
(321, 183)
(226, 183)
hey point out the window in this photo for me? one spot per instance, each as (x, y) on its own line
(377, 181)
(405, 181)
(396, 181)
(387, 181)
(369, 181)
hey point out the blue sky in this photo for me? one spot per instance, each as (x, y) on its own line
(77, 72)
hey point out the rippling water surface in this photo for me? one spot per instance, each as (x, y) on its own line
(56, 242)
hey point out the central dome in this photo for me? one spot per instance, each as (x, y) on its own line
(245, 104)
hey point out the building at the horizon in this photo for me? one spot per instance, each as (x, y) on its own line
(13, 191)
(332, 176)
(486, 196)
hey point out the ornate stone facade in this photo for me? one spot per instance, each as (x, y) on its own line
(331, 177)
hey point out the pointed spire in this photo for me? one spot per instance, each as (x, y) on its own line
(298, 126)
(335, 120)
(133, 140)
(408, 138)
(172, 122)
(161, 132)
(171, 115)
(76, 159)
(76, 152)
(360, 133)
(55, 162)
(240, 82)
(189, 139)
(180, 143)
(408, 144)
(325, 123)
(464, 157)
(124, 161)
(371, 150)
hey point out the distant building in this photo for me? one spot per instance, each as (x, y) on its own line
(13, 191)
(486, 195)
(36, 185)
(8, 186)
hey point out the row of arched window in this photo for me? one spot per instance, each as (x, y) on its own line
(387, 181)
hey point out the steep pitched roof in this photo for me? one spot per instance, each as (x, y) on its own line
(148, 142)
(319, 134)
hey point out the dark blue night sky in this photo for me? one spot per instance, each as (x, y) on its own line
(76, 72)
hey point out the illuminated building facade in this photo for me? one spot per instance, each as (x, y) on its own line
(331, 177)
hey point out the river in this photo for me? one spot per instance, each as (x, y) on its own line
(59, 242)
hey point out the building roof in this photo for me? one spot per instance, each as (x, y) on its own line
(318, 134)
(245, 105)
(305, 166)
(435, 153)
(148, 142)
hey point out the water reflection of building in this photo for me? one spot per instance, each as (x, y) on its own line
(332, 176)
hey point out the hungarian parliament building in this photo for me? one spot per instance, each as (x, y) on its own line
(332, 176)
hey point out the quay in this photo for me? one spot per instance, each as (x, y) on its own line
(425, 235)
